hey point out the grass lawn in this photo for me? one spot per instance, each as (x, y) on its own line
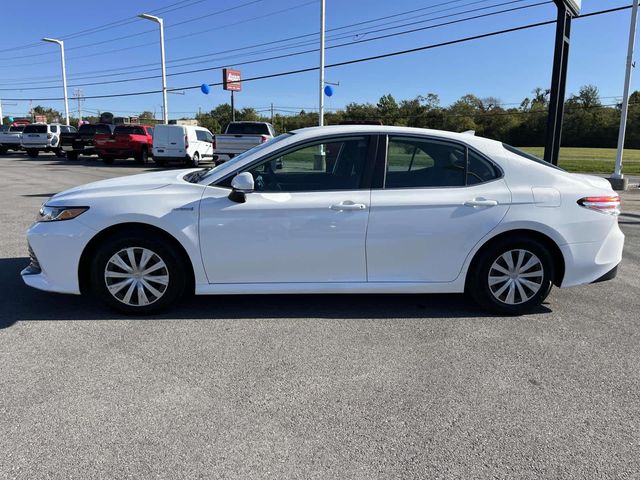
(593, 160)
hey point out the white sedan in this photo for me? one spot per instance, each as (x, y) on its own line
(344, 209)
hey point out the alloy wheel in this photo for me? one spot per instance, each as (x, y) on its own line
(515, 276)
(136, 276)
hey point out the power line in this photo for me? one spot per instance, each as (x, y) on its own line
(347, 62)
(378, 19)
(277, 57)
(93, 54)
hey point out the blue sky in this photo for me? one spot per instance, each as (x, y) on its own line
(508, 67)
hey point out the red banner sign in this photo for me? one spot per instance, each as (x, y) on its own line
(231, 79)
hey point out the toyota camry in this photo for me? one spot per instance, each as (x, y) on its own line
(343, 209)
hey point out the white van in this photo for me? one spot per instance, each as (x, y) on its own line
(181, 143)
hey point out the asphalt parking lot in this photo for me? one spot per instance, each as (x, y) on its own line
(357, 386)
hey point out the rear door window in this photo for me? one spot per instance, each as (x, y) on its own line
(35, 129)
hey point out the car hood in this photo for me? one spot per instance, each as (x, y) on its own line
(120, 186)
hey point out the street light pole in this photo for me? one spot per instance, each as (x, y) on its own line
(64, 75)
(160, 22)
(321, 105)
(617, 179)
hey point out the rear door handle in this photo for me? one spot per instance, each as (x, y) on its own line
(480, 202)
(348, 205)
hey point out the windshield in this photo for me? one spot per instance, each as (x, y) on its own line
(243, 155)
(529, 156)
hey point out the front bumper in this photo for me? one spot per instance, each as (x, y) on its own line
(57, 248)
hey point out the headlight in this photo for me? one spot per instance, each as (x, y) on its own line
(54, 214)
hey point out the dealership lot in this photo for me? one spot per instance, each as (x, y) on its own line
(385, 386)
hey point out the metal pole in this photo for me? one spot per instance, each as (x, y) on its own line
(164, 73)
(64, 83)
(558, 84)
(233, 108)
(1, 118)
(617, 174)
(160, 22)
(321, 98)
(64, 74)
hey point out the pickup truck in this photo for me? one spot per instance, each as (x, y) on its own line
(11, 138)
(126, 141)
(81, 142)
(240, 137)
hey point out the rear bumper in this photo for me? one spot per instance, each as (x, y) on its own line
(592, 262)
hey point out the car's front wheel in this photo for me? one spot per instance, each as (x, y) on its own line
(512, 276)
(137, 275)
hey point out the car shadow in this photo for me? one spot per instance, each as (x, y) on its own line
(22, 303)
(93, 160)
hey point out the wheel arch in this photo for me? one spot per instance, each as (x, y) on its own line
(85, 259)
(547, 241)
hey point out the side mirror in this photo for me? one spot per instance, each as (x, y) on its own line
(241, 185)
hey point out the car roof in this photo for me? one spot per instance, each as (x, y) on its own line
(468, 138)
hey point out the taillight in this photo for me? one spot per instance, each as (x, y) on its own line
(186, 142)
(263, 138)
(606, 204)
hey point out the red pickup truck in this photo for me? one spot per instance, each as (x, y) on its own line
(126, 141)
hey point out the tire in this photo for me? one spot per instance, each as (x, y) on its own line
(142, 157)
(32, 153)
(3, 150)
(501, 294)
(60, 153)
(72, 155)
(195, 160)
(107, 160)
(162, 287)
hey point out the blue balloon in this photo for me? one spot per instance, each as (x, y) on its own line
(328, 90)
(205, 88)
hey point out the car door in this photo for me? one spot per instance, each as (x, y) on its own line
(436, 201)
(305, 222)
(204, 144)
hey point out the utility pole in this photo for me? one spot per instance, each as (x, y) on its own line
(617, 180)
(1, 118)
(78, 94)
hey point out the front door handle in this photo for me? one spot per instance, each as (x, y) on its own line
(480, 202)
(348, 205)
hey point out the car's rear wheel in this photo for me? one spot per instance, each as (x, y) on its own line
(32, 153)
(142, 157)
(512, 276)
(137, 275)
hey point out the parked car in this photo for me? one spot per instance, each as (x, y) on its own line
(11, 139)
(81, 142)
(44, 137)
(240, 137)
(126, 141)
(353, 209)
(181, 143)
